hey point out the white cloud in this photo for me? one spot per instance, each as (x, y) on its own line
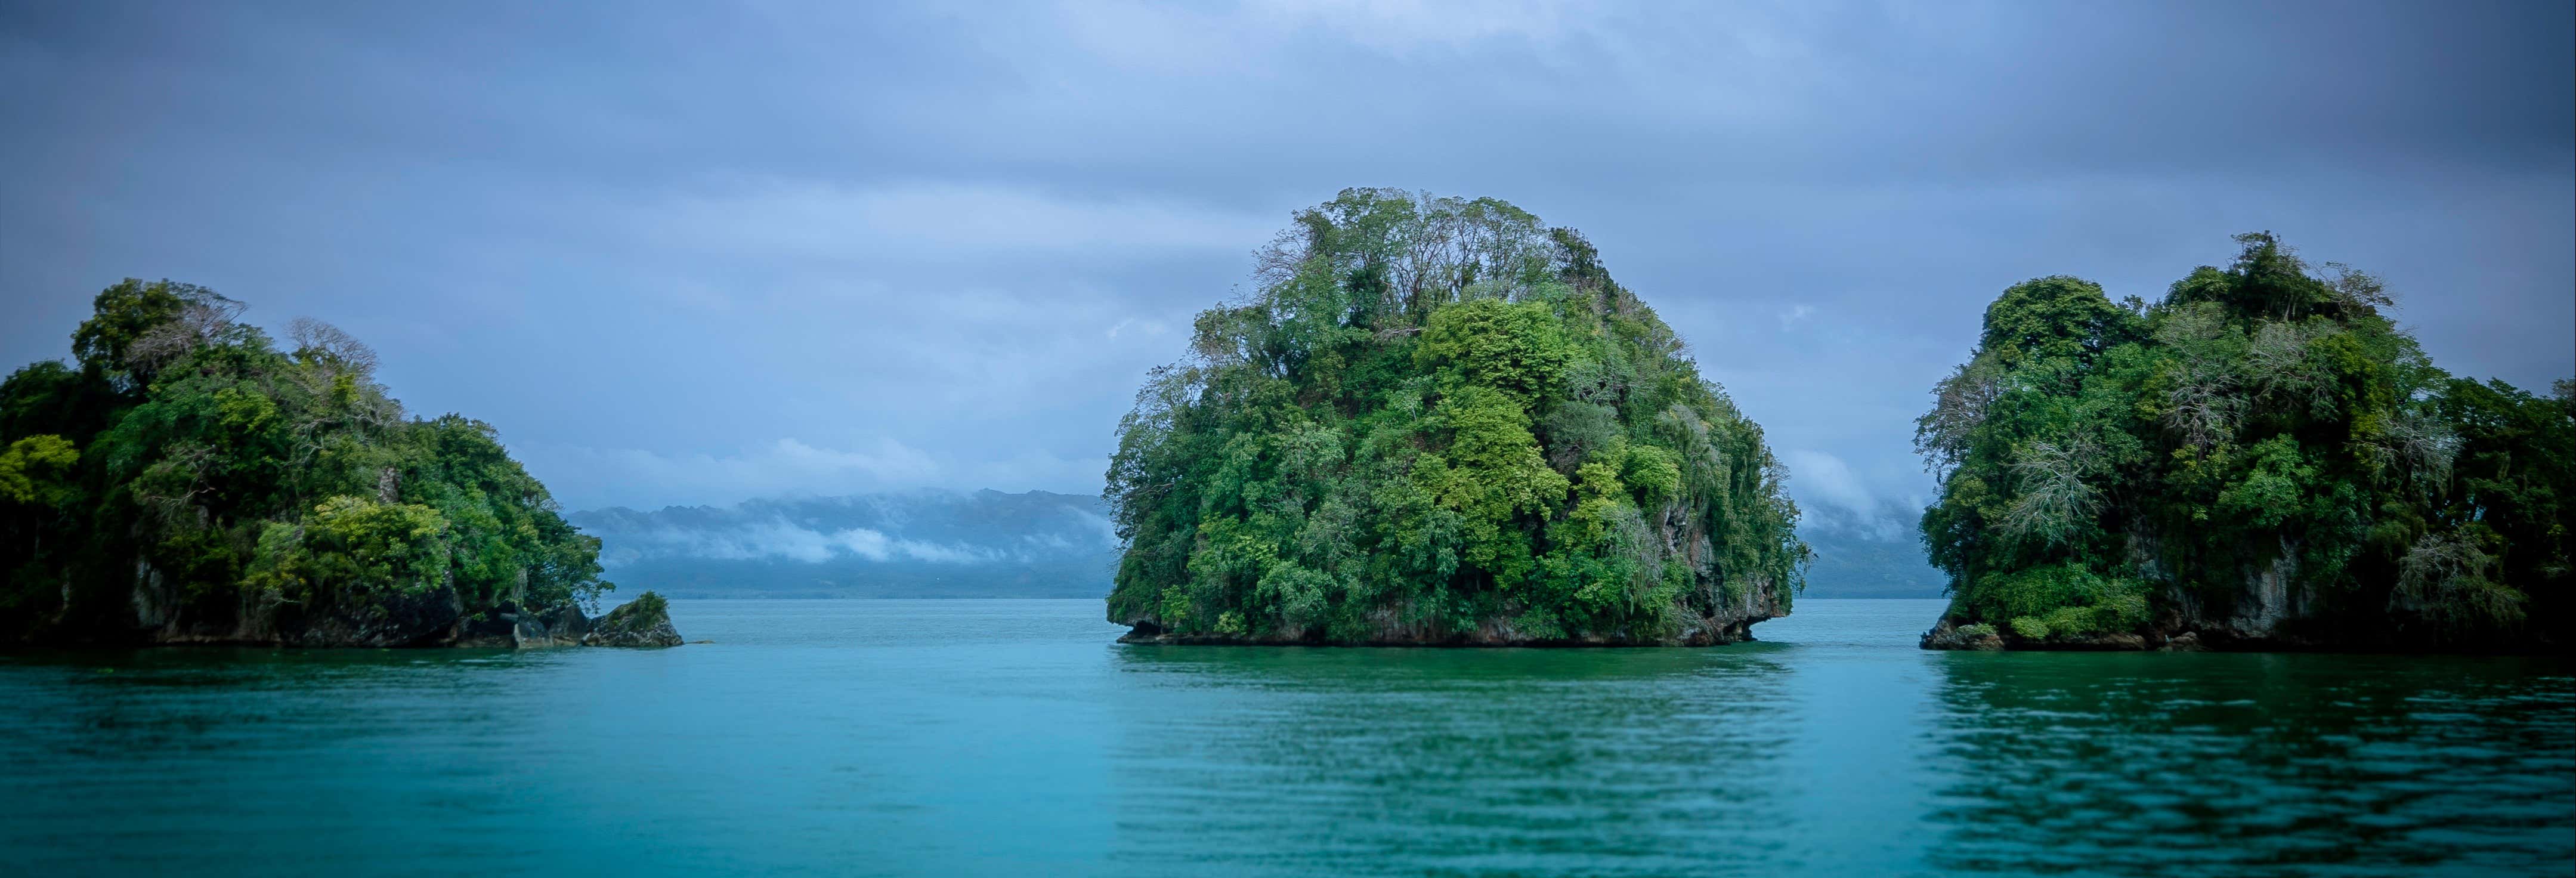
(1837, 498)
(780, 539)
(1823, 481)
(591, 478)
(584, 477)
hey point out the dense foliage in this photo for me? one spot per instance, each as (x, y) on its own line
(2264, 441)
(185, 466)
(1431, 415)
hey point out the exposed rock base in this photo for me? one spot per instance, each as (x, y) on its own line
(643, 622)
(1714, 630)
(1950, 634)
(429, 617)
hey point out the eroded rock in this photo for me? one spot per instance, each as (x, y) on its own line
(644, 621)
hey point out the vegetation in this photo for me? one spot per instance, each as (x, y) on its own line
(186, 466)
(1436, 416)
(2132, 468)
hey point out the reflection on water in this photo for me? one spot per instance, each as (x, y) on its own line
(2253, 764)
(1325, 761)
(1014, 738)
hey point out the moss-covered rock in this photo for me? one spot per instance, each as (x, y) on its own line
(644, 621)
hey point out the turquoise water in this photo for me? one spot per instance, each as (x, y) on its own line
(1013, 738)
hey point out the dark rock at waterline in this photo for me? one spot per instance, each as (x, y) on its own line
(644, 621)
(163, 611)
(567, 625)
(421, 615)
(492, 630)
(416, 619)
(508, 627)
(1723, 625)
(1951, 635)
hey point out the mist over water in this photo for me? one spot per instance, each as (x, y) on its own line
(1013, 737)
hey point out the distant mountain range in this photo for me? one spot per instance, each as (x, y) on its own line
(924, 544)
(911, 544)
(1850, 565)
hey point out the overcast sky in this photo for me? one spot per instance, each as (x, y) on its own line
(704, 252)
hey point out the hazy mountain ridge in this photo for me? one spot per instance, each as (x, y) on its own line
(1859, 565)
(930, 543)
(924, 543)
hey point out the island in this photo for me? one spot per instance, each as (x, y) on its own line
(2261, 460)
(1438, 421)
(186, 479)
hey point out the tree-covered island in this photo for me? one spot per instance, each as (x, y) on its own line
(1439, 421)
(2263, 459)
(188, 479)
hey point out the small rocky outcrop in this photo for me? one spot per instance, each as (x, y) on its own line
(644, 621)
(1949, 634)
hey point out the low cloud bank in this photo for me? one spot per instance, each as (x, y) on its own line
(934, 527)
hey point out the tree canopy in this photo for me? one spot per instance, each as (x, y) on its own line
(1437, 416)
(2264, 443)
(188, 469)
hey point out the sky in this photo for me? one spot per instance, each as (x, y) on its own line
(697, 253)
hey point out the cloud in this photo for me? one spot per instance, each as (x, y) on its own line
(693, 256)
(1820, 480)
(1836, 497)
(783, 540)
(904, 526)
(584, 477)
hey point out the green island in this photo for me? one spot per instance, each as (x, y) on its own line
(2261, 460)
(1439, 421)
(186, 479)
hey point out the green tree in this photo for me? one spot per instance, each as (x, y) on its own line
(2139, 469)
(1438, 416)
(189, 465)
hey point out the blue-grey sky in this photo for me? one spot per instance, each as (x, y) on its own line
(693, 253)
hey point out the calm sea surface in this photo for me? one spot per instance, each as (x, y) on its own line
(1014, 738)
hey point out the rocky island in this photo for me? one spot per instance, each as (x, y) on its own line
(1438, 421)
(188, 479)
(2261, 460)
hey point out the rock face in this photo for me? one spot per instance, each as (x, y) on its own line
(1949, 634)
(644, 621)
(402, 620)
(2270, 610)
(509, 627)
(1718, 623)
(427, 617)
